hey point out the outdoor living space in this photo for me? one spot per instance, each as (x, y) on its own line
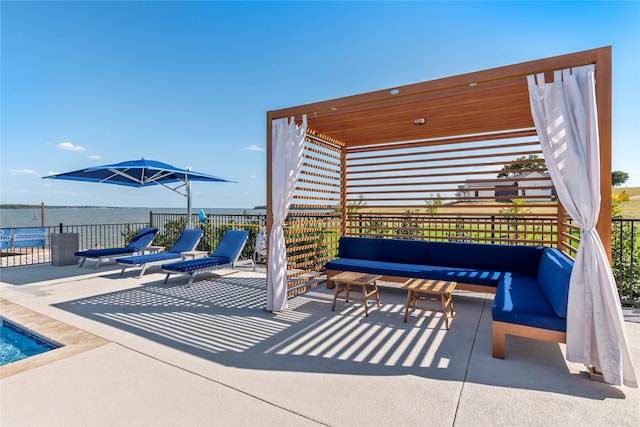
(211, 355)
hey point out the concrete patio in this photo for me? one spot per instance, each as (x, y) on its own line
(210, 355)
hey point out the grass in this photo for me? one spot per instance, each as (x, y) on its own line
(630, 208)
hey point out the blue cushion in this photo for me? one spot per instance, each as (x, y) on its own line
(139, 241)
(187, 241)
(143, 259)
(474, 277)
(554, 273)
(407, 251)
(512, 258)
(231, 244)
(356, 247)
(96, 253)
(143, 238)
(519, 300)
(195, 264)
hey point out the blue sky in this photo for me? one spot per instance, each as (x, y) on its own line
(189, 83)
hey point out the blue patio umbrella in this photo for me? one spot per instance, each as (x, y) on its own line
(142, 173)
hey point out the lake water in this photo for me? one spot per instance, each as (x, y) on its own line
(15, 218)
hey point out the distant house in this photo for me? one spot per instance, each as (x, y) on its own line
(526, 185)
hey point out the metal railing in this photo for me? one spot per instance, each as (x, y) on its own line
(625, 259)
(95, 236)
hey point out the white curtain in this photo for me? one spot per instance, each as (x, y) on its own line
(286, 150)
(566, 120)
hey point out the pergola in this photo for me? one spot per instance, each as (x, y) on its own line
(408, 151)
(458, 159)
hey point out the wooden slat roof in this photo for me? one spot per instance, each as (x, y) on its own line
(480, 102)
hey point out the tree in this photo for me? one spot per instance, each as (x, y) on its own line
(433, 204)
(618, 178)
(512, 170)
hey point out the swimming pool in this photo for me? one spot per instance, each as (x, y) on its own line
(17, 343)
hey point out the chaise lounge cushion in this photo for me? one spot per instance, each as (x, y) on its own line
(227, 251)
(190, 265)
(148, 258)
(140, 241)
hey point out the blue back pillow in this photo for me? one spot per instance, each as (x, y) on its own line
(554, 273)
(390, 250)
(513, 258)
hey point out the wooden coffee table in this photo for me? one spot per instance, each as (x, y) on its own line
(355, 282)
(435, 290)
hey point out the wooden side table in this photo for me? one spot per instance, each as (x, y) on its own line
(193, 254)
(362, 283)
(435, 290)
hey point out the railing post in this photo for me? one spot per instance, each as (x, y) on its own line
(493, 229)
(60, 228)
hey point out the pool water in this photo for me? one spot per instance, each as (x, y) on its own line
(17, 343)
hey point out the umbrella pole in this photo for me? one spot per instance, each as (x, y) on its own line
(188, 191)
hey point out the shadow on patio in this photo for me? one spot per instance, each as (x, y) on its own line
(221, 319)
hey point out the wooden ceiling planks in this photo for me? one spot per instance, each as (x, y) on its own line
(484, 101)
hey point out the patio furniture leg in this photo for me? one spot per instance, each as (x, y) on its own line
(191, 277)
(335, 295)
(364, 297)
(375, 287)
(166, 277)
(445, 308)
(82, 262)
(144, 268)
(406, 306)
(498, 339)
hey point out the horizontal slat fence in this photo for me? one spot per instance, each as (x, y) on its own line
(312, 229)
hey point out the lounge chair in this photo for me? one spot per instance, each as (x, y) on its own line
(140, 241)
(187, 241)
(226, 254)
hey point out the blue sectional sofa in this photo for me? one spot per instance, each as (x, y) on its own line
(530, 283)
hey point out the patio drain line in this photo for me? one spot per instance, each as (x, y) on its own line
(466, 372)
(226, 385)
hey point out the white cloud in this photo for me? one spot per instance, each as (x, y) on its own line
(67, 146)
(53, 173)
(252, 177)
(95, 157)
(22, 171)
(253, 147)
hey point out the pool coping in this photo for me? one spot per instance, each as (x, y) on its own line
(72, 340)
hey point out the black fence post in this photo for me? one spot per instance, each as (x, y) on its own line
(60, 228)
(493, 228)
(150, 218)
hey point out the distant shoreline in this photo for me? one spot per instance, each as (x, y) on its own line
(19, 206)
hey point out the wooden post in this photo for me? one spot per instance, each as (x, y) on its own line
(603, 103)
(42, 214)
(343, 190)
(560, 226)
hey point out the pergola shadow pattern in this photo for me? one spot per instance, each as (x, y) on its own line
(222, 319)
